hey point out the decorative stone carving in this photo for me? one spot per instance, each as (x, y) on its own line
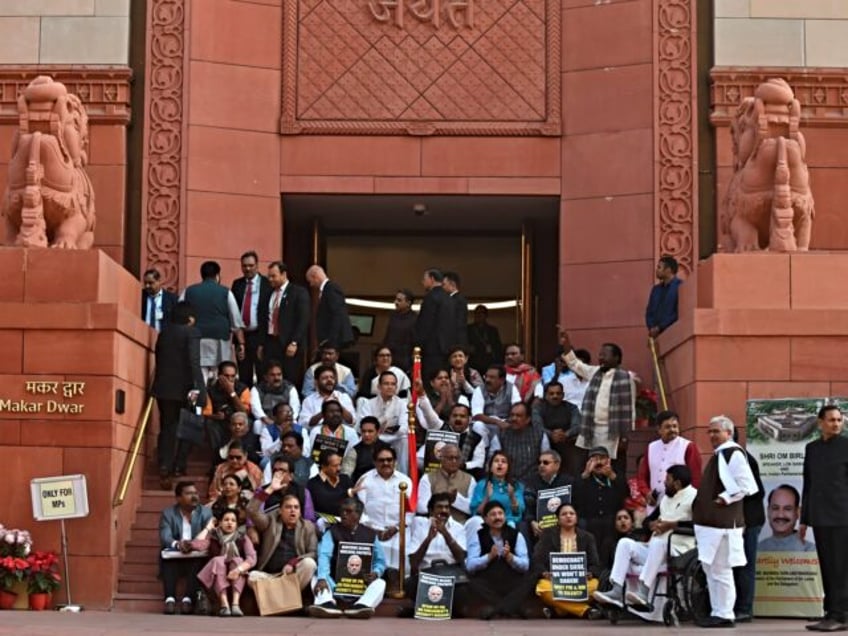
(422, 67)
(163, 136)
(105, 92)
(676, 189)
(768, 203)
(822, 92)
(49, 199)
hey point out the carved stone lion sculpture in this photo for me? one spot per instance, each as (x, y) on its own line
(768, 204)
(49, 199)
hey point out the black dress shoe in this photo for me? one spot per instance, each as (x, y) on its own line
(827, 625)
(406, 612)
(742, 617)
(715, 621)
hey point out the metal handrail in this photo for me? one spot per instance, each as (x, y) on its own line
(129, 462)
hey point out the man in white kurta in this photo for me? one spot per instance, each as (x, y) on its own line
(379, 491)
(391, 412)
(719, 518)
(648, 559)
(328, 389)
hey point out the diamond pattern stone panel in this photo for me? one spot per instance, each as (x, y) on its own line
(421, 67)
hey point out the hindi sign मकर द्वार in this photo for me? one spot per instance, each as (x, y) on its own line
(49, 397)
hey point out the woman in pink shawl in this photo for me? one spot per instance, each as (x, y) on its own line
(232, 556)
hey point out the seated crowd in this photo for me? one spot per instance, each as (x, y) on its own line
(297, 474)
(505, 472)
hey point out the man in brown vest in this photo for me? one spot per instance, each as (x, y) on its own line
(450, 479)
(720, 521)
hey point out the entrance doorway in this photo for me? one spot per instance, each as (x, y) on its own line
(505, 249)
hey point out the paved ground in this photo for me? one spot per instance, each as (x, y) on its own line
(50, 623)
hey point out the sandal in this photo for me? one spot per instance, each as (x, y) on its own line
(225, 611)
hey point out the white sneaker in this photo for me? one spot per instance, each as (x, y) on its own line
(638, 599)
(609, 597)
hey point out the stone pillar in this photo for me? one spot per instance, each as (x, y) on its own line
(758, 325)
(71, 316)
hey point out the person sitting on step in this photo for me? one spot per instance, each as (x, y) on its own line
(232, 555)
(349, 530)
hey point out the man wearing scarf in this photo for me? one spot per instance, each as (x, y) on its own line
(720, 520)
(522, 375)
(609, 404)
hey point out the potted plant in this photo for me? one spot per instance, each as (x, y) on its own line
(646, 408)
(15, 545)
(42, 579)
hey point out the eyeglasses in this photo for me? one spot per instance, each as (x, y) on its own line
(384, 355)
(545, 462)
(385, 460)
(235, 457)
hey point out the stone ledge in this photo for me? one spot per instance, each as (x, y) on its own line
(822, 92)
(104, 91)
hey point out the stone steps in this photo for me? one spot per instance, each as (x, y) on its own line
(137, 603)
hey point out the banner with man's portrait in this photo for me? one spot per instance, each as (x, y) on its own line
(788, 577)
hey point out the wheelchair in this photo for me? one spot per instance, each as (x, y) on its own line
(685, 598)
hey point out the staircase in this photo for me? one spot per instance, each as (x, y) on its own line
(139, 589)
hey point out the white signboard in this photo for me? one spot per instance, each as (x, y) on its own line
(63, 497)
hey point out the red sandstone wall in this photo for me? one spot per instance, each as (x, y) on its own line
(91, 335)
(233, 156)
(607, 251)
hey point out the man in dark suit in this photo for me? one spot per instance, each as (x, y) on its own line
(824, 507)
(252, 291)
(435, 327)
(284, 323)
(451, 285)
(156, 303)
(332, 323)
(484, 341)
(177, 381)
(178, 525)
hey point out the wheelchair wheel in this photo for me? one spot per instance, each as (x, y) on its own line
(696, 596)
